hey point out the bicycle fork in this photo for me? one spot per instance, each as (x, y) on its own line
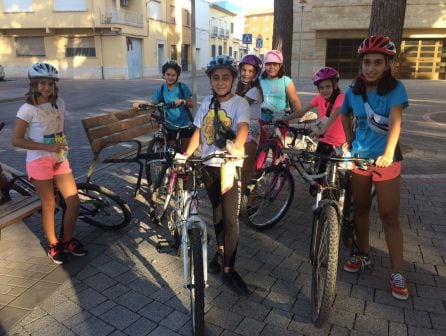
(193, 221)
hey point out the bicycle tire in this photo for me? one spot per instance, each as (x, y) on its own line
(267, 155)
(196, 282)
(153, 169)
(325, 261)
(272, 193)
(102, 208)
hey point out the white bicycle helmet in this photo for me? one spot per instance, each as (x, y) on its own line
(43, 70)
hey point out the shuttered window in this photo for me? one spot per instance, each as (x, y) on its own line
(80, 46)
(30, 46)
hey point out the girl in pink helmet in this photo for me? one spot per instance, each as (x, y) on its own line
(278, 89)
(376, 100)
(328, 101)
(248, 86)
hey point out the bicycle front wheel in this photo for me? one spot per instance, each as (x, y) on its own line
(101, 207)
(196, 282)
(325, 264)
(270, 197)
(153, 169)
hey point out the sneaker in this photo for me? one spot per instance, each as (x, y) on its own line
(216, 264)
(56, 253)
(358, 262)
(399, 287)
(235, 282)
(74, 247)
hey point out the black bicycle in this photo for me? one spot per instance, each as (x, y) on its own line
(99, 206)
(332, 222)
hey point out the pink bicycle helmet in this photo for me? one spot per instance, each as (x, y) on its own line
(325, 73)
(273, 56)
(377, 44)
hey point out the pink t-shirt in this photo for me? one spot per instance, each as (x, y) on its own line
(335, 134)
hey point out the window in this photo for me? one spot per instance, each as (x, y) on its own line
(230, 51)
(220, 50)
(30, 46)
(173, 52)
(80, 46)
(172, 14)
(213, 53)
(186, 18)
(17, 6)
(155, 9)
(72, 5)
(232, 27)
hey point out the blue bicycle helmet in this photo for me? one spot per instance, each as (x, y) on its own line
(221, 62)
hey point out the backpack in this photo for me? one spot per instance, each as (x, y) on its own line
(182, 96)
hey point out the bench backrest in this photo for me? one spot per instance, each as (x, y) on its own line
(107, 129)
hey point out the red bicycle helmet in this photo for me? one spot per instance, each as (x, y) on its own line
(378, 44)
(325, 73)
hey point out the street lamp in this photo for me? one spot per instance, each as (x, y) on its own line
(302, 6)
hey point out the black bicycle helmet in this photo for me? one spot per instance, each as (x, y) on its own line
(171, 65)
(221, 62)
(43, 70)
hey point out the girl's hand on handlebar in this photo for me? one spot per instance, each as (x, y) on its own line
(384, 161)
(179, 102)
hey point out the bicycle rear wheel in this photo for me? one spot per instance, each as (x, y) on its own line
(271, 196)
(153, 169)
(196, 282)
(101, 207)
(325, 263)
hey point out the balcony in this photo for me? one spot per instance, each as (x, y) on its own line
(214, 31)
(226, 33)
(122, 17)
(221, 32)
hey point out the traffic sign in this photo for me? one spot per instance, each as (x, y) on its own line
(259, 42)
(247, 38)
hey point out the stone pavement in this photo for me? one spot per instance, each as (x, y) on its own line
(125, 287)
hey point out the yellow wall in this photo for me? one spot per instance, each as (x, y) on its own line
(260, 24)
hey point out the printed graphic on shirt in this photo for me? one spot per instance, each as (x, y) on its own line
(208, 124)
(51, 120)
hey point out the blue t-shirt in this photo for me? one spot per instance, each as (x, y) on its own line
(274, 93)
(367, 143)
(178, 115)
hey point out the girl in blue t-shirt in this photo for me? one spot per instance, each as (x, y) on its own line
(376, 101)
(178, 99)
(278, 90)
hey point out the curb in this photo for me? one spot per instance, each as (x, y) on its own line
(12, 99)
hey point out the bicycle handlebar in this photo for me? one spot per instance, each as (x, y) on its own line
(357, 160)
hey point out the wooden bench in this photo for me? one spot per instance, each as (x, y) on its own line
(108, 130)
(18, 209)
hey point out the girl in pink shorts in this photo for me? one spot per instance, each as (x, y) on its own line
(40, 130)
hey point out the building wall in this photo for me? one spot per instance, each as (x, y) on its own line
(221, 19)
(349, 19)
(260, 25)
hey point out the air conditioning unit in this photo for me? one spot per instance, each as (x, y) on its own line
(124, 3)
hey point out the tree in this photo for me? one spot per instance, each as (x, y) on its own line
(283, 31)
(387, 18)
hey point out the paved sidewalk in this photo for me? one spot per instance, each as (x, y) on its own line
(125, 287)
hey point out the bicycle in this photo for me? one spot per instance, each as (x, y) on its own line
(332, 218)
(271, 190)
(99, 206)
(188, 230)
(277, 132)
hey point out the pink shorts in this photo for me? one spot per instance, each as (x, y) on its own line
(45, 168)
(381, 174)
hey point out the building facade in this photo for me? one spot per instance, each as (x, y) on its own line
(221, 30)
(260, 22)
(332, 30)
(109, 39)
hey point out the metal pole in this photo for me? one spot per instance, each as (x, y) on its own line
(300, 42)
(194, 56)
